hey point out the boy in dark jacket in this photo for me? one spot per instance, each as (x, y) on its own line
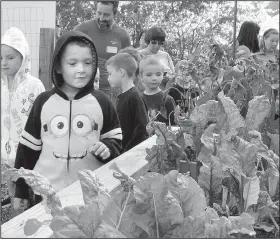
(130, 105)
(72, 126)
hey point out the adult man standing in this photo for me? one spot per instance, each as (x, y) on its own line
(108, 38)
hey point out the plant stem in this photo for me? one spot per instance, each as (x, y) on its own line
(156, 216)
(169, 118)
(211, 190)
(122, 213)
(245, 205)
(241, 195)
(272, 218)
(225, 195)
(161, 132)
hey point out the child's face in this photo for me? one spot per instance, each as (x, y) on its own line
(11, 60)
(271, 42)
(152, 76)
(96, 80)
(76, 66)
(115, 76)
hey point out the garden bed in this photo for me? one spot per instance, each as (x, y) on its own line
(230, 135)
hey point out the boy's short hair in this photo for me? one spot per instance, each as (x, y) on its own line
(149, 60)
(124, 61)
(180, 65)
(133, 52)
(155, 33)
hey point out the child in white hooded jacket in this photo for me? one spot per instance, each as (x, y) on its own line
(18, 91)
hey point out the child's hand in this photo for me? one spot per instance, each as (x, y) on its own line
(20, 204)
(100, 149)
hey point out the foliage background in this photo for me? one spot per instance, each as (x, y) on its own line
(187, 23)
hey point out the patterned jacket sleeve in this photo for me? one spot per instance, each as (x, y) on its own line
(30, 145)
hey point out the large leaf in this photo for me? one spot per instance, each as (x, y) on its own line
(274, 145)
(39, 184)
(205, 155)
(64, 227)
(271, 158)
(210, 214)
(232, 184)
(218, 228)
(209, 112)
(187, 192)
(163, 158)
(78, 221)
(273, 182)
(242, 224)
(106, 231)
(265, 208)
(247, 155)
(223, 227)
(152, 158)
(259, 108)
(208, 137)
(156, 210)
(118, 214)
(86, 217)
(227, 155)
(93, 190)
(190, 228)
(235, 120)
(206, 97)
(269, 181)
(251, 191)
(211, 176)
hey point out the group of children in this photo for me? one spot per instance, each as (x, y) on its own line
(74, 125)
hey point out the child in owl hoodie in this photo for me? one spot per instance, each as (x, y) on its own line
(18, 91)
(72, 126)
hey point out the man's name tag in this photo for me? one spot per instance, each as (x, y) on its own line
(112, 49)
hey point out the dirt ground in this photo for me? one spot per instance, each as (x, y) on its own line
(5, 210)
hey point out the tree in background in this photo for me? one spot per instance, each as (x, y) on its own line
(71, 13)
(188, 24)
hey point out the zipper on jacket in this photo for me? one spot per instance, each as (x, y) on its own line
(70, 125)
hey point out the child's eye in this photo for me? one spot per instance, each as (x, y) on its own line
(10, 58)
(88, 63)
(72, 64)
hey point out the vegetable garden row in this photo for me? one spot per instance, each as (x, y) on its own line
(231, 132)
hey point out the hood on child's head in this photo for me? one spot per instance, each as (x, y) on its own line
(61, 44)
(15, 39)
